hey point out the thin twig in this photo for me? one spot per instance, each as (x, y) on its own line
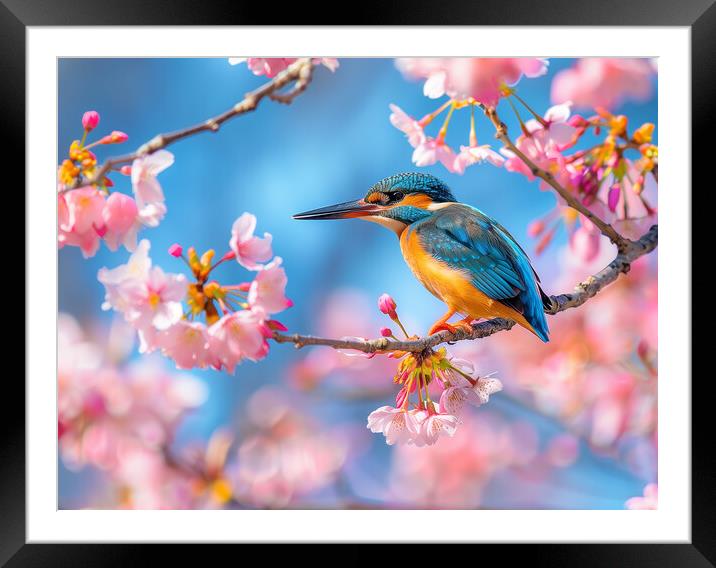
(300, 72)
(582, 293)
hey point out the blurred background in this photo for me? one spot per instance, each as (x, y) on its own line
(575, 426)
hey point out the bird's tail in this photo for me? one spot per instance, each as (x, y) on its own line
(537, 318)
(541, 330)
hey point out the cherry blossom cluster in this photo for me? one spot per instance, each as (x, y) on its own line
(467, 82)
(615, 177)
(90, 211)
(604, 81)
(237, 318)
(121, 418)
(424, 422)
(283, 454)
(108, 412)
(272, 66)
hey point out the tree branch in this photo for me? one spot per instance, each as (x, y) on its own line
(582, 293)
(300, 72)
(501, 134)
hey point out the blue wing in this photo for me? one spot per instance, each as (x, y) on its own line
(466, 238)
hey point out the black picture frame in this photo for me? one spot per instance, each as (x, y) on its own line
(699, 15)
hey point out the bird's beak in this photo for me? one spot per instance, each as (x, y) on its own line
(347, 210)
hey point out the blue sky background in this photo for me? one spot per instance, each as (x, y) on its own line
(330, 145)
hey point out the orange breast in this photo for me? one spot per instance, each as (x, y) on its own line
(451, 285)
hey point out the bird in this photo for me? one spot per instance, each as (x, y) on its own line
(458, 253)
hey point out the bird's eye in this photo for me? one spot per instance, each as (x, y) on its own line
(396, 196)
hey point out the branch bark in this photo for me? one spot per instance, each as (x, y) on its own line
(582, 293)
(605, 228)
(300, 73)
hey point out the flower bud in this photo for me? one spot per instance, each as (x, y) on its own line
(176, 250)
(90, 120)
(387, 305)
(613, 198)
(115, 137)
(386, 332)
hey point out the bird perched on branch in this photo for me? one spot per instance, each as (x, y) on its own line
(462, 256)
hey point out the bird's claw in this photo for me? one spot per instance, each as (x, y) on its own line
(464, 325)
(461, 325)
(443, 326)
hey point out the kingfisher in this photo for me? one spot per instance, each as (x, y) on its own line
(462, 256)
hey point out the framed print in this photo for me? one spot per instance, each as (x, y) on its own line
(219, 349)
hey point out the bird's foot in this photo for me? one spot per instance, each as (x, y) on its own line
(442, 326)
(465, 325)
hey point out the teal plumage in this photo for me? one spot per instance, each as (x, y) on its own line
(461, 255)
(467, 239)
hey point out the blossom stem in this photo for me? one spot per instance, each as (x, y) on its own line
(444, 127)
(396, 319)
(428, 118)
(519, 118)
(408, 385)
(473, 134)
(420, 392)
(541, 120)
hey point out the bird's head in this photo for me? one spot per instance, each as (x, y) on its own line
(395, 202)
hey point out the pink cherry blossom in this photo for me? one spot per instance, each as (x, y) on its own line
(151, 214)
(144, 174)
(118, 280)
(84, 208)
(650, 500)
(479, 78)
(470, 155)
(436, 425)
(397, 425)
(557, 129)
(604, 82)
(187, 343)
(484, 387)
(409, 126)
(250, 250)
(286, 454)
(237, 336)
(272, 66)
(432, 150)
(79, 219)
(268, 290)
(543, 152)
(121, 222)
(453, 399)
(146, 296)
(156, 300)
(104, 408)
